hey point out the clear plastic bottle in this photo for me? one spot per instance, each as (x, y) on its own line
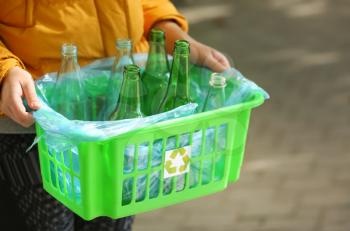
(216, 94)
(69, 97)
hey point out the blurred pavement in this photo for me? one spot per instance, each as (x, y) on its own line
(296, 173)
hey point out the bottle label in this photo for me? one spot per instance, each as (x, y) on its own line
(177, 161)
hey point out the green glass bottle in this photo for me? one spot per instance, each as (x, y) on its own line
(216, 93)
(156, 76)
(178, 91)
(129, 103)
(69, 97)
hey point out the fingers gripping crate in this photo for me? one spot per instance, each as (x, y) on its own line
(142, 170)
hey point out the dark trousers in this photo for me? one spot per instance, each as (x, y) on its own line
(21, 191)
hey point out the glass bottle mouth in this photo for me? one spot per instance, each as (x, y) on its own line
(132, 71)
(123, 43)
(182, 47)
(217, 80)
(157, 35)
(69, 49)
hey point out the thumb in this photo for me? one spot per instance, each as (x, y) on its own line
(221, 58)
(30, 95)
(214, 64)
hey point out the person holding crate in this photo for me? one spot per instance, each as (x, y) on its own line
(31, 34)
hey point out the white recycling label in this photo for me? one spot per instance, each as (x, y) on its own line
(177, 161)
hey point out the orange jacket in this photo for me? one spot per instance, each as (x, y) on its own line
(32, 31)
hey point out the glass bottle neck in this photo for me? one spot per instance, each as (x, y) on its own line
(69, 61)
(217, 81)
(131, 90)
(157, 60)
(157, 47)
(129, 105)
(215, 99)
(180, 71)
(124, 51)
(123, 57)
(72, 59)
(69, 65)
(216, 94)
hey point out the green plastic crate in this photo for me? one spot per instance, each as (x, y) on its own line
(101, 164)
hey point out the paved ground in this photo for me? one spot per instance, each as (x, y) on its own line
(296, 174)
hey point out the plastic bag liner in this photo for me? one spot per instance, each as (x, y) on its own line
(62, 134)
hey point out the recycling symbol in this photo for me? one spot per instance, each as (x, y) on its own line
(177, 162)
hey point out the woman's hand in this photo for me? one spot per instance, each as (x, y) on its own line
(200, 53)
(209, 57)
(17, 84)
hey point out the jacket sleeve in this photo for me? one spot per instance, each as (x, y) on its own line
(7, 61)
(160, 10)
